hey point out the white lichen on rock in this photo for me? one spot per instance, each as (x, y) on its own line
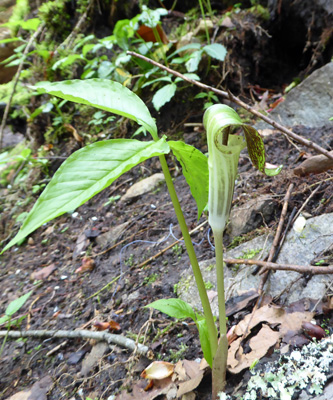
(306, 368)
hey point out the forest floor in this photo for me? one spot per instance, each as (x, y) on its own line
(68, 300)
(83, 271)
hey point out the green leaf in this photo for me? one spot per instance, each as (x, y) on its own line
(189, 46)
(216, 50)
(192, 76)
(31, 24)
(162, 79)
(195, 170)
(16, 304)
(204, 340)
(4, 319)
(273, 171)
(84, 174)
(105, 69)
(105, 95)
(67, 61)
(9, 40)
(164, 95)
(175, 308)
(193, 63)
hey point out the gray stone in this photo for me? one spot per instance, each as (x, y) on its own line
(308, 103)
(250, 215)
(299, 248)
(10, 138)
(111, 237)
(143, 186)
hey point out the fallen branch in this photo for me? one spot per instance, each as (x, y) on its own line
(82, 334)
(266, 265)
(234, 99)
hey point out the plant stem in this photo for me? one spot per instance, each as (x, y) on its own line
(219, 370)
(204, 19)
(212, 332)
(218, 238)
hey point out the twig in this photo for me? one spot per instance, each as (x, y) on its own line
(152, 258)
(324, 294)
(267, 265)
(83, 334)
(16, 79)
(276, 237)
(104, 287)
(271, 255)
(234, 99)
(306, 201)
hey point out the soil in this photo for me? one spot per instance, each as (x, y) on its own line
(66, 300)
(70, 300)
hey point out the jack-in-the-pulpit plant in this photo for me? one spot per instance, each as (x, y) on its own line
(94, 167)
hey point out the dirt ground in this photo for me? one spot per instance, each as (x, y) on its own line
(69, 300)
(127, 272)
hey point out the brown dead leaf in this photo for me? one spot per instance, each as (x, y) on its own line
(274, 315)
(193, 374)
(81, 244)
(227, 23)
(43, 273)
(265, 339)
(70, 128)
(180, 372)
(93, 358)
(38, 390)
(48, 231)
(161, 387)
(88, 265)
(289, 325)
(238, 303)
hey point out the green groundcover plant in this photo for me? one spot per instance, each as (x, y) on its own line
(94, 167)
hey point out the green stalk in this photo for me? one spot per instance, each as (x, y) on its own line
(218, 239)
(158, 38)
(204, 19)
(212, 331)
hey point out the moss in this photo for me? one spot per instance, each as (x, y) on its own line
(210, 267)
(21, 97)
(20, 10)
(184, 284)
(208, 285)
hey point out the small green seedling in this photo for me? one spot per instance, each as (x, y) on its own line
(12, 308)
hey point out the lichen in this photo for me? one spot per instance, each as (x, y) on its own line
(304, 369)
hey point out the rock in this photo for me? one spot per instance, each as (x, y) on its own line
(143, 186)
(299, 248)
(112, 236)
(250, 215)
(10, 138)
(306, 104)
